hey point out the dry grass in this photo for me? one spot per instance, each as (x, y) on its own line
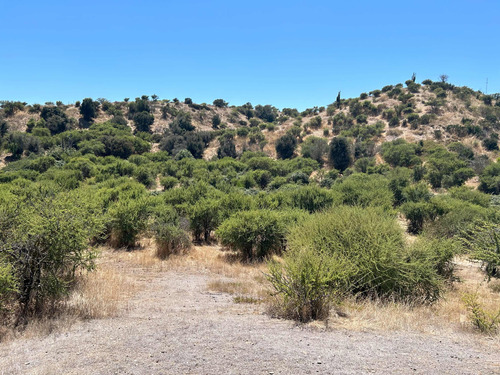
(444, 317)
(96, 295)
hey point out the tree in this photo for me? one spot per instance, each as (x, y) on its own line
(267, 112)
(143, 121)
(315, 148)
(285, 146)
(220, 103)
(182, 123)
(89, 109)
(227, 148)
(340, 153)
(216, 121)
(443, 78)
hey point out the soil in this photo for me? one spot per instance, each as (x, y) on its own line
(174, 325)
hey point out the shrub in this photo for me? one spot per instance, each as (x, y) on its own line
(314, 148)
(168, 182)
(182, 123)
(47, 245)
(89, 109)
(128, 220)
(483, 242)
(257, 234)
(143, 121)
(400, 153)
(220, 103)
(169, 237)
(350, 250)
(417, 213)
(481, 319)
(490, 179)
(285, 146)
(204, 217)
(340, 153)
(364, 190)
(170, 240)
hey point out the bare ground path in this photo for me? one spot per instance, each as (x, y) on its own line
(175, 326)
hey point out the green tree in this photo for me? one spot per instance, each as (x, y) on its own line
(89, 109)
(143, 121)
(285, 146)
(340, 153)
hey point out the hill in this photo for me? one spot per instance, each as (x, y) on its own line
(414, 112)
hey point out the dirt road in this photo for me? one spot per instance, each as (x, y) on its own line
(175, 326)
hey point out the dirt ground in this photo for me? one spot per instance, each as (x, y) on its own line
(176, 325)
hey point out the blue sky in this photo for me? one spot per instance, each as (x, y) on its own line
(286, 53)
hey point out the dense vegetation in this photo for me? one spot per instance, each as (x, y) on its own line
(320, 187)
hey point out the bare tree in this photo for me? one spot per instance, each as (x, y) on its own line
(443, 78)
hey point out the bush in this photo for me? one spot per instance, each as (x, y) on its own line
(204, 217)
(46, 246)
(220, 103)
(314, 148)
(481, 319)
(483, 242)
(169, 237)
(257, 234)
(361, 252)
(340, 153)
(168, 182)
(128, 220)
(285, 146)
(89, 109)
(143, 121)
(490, 179)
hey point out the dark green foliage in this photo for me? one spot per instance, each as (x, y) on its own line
(220, 103)
(340, 153)
(490, 179)
(182, 123)
(259, 233)
(140, 105)
(227, 148)
(143, 121)
(216, 121)
(267, 112)
(285, 146)
(89, 109)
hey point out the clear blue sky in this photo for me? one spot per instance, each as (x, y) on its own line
(285, 53)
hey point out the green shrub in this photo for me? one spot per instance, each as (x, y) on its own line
(285, 146)
(168, 182)
(143, 121)
(483, 242)
(340, 154)
(364, 190)
(49, 241)
(170, 238)
(257, 234)
(490, 179)
(350, 250)
(204, 217)
(481, 319)
(128, 220)
(417, 213)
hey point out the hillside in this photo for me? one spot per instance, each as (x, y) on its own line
(414, 112)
